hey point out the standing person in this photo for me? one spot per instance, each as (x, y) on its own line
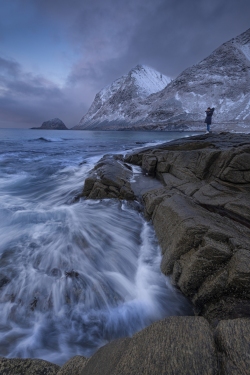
(208, 120)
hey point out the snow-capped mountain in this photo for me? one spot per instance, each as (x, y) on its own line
(116, 104)
(145, 99)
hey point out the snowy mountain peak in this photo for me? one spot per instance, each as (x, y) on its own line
(243, 38)
(113, 102)
(148, 80)
(243, 43)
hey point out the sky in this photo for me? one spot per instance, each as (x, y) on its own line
(56, 55)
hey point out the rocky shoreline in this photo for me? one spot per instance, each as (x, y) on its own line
(196, 191)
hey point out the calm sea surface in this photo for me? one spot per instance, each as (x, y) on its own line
(73, 276)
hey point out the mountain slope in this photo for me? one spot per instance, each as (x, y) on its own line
(221, 80)
(117, 103)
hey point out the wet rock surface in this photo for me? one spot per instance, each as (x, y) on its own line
(172, 346)
(109, 179)
(199, 207)
(201, 217)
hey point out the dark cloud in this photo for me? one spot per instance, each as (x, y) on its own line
(15, 82)
(168, 35)
(96, 42)
(178, 34)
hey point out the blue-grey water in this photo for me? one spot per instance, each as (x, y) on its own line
(73, 275)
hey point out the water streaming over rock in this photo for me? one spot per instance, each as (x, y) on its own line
(73, 275)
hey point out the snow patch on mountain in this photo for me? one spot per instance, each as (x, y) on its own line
(246, 50)
(118, 101)
(148, 80)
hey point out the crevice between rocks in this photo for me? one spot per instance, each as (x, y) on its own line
(226, 213)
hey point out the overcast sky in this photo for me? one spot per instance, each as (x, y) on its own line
(55, 55)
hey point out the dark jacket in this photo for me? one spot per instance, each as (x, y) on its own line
(209, 113)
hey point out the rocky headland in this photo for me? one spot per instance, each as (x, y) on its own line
(53, 124)
(196, 191)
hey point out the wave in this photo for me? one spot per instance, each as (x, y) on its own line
(83, 274)
(46, 139)
(73, 276)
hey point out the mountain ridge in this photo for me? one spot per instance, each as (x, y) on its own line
(137, 85)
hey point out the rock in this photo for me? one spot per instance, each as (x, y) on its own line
(106, 360)
(200, 212)
(17, 366)
(53, 124)
(149, 164)
(238, 272)
(109, 179)
(233, 343)
(201, 217)
(200, 263)
(73, 366)
(175, 345)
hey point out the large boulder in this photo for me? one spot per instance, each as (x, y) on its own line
(232, 339)
(73, 366)
(175, 345)
(206, 257)
(110, 178)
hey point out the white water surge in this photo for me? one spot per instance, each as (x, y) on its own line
(73, 276)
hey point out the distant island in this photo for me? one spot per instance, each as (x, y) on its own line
(53, 124)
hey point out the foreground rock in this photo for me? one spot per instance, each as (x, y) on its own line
(200, 212)
(232, 339)
(53, 124)
(202, 219)
(172, 346)
(109, 179)
(74, 366)
(17, 366)
(178, 345)
(175, 345)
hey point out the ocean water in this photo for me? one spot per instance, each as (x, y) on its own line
(73, 275)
